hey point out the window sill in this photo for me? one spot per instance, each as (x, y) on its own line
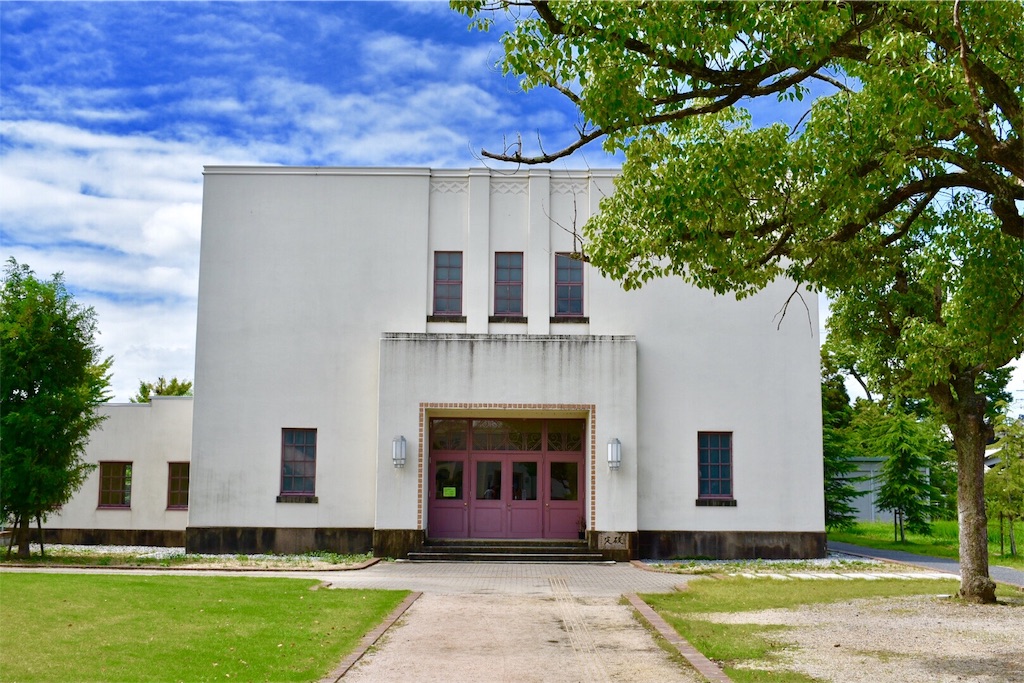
(446, 318)
(113, 507)
(716, 502)
(176, 507)
(573, 319)
(507, 319)
(298, 499)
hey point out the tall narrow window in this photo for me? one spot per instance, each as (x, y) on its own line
(714, 465)
(115, 485)
(508, 283)
(568, 286)
(448, 283)
(177, 486)
(298, 462)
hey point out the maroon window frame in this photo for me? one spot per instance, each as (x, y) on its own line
(115, 484)
(448, 283)
(298, 462)
(177, 485)
(508, 283)
(714, 465)
(568, 286)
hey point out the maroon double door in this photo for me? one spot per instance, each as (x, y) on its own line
(505, 478)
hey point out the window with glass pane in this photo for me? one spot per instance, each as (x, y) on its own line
(524, 481)
(177, 485)
(115, 484)
(448, 480)
(564, 481)
(508, 283)
(714, 463)
(448, 435)
(447, 283)
(298, 462)
(568, 286)
(488, 481)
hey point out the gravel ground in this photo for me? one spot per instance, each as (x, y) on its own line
(924, 639)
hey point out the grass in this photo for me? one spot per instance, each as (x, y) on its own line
(76, 627)
(748, 652)
(942, 542)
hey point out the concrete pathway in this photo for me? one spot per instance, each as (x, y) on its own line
(1013, 577)
(521, 623)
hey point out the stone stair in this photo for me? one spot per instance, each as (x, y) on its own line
(505, 550)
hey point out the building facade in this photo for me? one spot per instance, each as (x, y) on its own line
(138, 492)
(387, 356)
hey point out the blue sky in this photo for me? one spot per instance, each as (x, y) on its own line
(110, 111)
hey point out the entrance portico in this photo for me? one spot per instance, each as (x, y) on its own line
(525, 467)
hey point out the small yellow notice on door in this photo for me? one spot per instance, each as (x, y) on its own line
(448, 492)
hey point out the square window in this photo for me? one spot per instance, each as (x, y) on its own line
(568, 286)
(177, 485)
(298, 462)
(714, 465)
(448, 283)
(115, 485)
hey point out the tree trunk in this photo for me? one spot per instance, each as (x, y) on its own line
(24, 533)
(1013, 539)
(39, 523)
(964, 412)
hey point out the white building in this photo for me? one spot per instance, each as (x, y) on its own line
(350, 318)
(138, 492)
(344, 312)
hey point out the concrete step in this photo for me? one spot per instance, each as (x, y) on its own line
(508, 556)
(505, 550)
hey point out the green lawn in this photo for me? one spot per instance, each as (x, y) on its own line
(942, 542)
(76, 627)
(736, 645)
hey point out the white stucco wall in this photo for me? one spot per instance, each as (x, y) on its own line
(306, 275)
(148, 435)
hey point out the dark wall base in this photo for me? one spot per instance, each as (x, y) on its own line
(221, 540)
(397, 543)
(153, 537)
(731, 545)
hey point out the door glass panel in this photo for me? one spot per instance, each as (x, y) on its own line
(488, 481)
(448, 480)
(524, 481)
(565, 481)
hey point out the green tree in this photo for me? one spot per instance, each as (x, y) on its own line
(1004, 483)
(53, 376)
(840, 482)
(161, 387)
(910, 154)
(908, 445)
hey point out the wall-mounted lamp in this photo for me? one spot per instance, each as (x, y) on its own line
(614, 454)
(398, 451)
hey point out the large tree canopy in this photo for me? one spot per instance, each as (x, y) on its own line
(898, 190)
(53, 376)
(914, 100)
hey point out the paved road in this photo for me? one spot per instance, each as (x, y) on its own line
(1014, 577)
